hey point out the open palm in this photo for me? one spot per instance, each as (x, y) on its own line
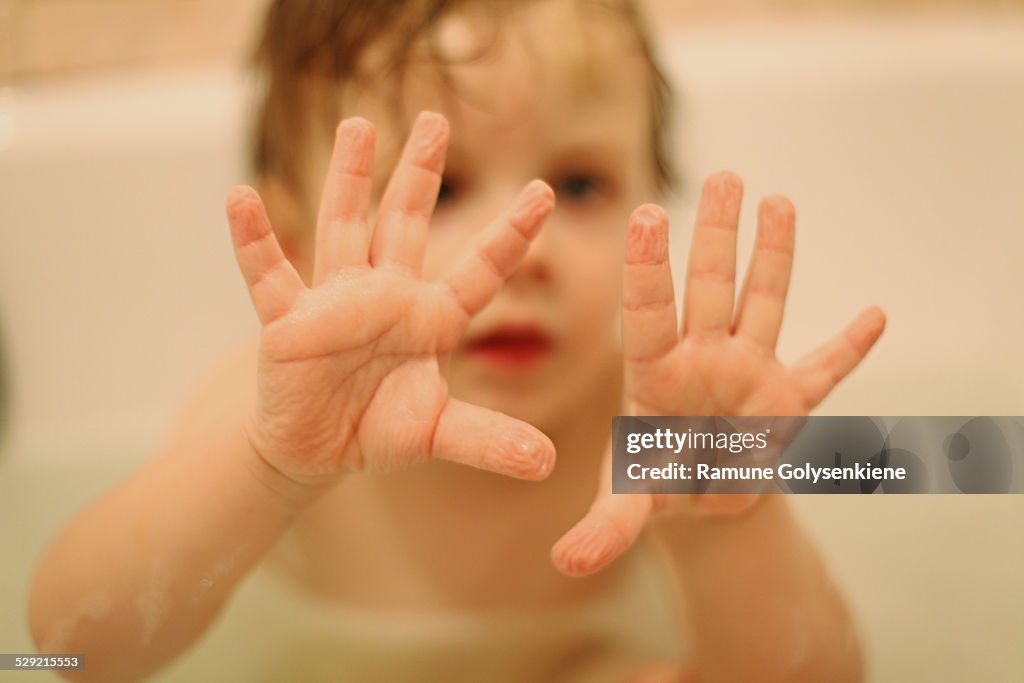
(716, 362)
(349, 374)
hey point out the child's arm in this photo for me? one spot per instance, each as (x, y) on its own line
(139, 574)
(758, 599)
(347, 378)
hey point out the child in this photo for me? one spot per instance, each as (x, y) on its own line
(402, 341)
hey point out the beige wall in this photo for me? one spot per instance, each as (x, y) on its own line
(54, 38)
(60, 38)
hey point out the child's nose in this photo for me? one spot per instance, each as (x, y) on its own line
(537, 265)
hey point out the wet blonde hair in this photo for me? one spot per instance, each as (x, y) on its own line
(305, 42)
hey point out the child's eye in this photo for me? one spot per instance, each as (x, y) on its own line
(448, 190)
(579, 187)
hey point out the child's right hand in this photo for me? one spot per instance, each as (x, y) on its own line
(349, 372)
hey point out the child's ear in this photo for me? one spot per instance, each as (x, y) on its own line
(286, 213)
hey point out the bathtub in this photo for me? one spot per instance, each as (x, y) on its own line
(900, 140)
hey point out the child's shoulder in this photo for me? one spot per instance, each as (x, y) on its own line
(220, 397)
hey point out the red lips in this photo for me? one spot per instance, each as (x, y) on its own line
(511, 346)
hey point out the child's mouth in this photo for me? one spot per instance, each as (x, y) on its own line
(513, 347)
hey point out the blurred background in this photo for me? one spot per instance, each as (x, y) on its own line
(896, 126)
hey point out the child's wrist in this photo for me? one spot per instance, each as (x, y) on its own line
(293, 494)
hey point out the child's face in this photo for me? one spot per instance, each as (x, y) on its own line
(535, 106)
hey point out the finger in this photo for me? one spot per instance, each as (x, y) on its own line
(763, 300)
(342, 231)
(273, 283)
(711, 275)
(400, 235)
(476, 280)
(648, 299)
(492, 441)
(821, 370)
(609, 528)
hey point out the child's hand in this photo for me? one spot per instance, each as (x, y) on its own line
(718, 363)
(349, 373)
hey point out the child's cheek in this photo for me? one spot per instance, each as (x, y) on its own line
(596, 286)
(447, 243)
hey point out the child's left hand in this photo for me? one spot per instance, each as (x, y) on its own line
(718, 363)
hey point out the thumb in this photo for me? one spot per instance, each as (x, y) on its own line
(492, 441)
(610, 527)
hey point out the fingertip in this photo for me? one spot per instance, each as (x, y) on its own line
(355, 132)
(720, 200)
(779, 208)
(430, 140)
(724, 180)
(543, 454)
(355, 124)
(534, 205)
(877, 314)
(246, 215)
(877, 319)
(586, 548)
(530, 457)
(539, 191)
(354, 143)
(241, 197)
(560, 559)
(565, 560)
(647, 237)
(868, 329)
(431, 120)
(649, 216)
